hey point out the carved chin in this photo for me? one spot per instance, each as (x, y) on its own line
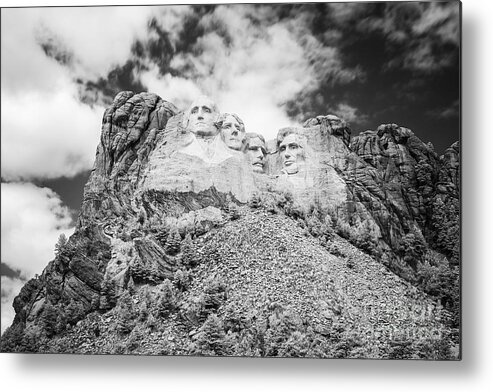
(234, 145)
(291, 169)
(258, 168)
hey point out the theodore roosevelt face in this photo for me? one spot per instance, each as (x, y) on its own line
(202, 116)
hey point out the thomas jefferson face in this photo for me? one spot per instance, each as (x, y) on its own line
(232, 132)
(256, 154)
(291, 153)
(203, 114)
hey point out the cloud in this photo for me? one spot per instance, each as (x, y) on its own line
(25, 66)
(47, 132)
(48, 135)
(422, 37)
(441, 20)
(349, 113)
(32, 219)
(177, 90)
(10, 288)
(249, 58)
(422, 58)
(344, 13)
(247, 65)
(99, 38)
(453, 110)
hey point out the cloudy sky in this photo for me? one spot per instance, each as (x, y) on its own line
(274, 65)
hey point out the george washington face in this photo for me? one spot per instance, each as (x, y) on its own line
(202, 116)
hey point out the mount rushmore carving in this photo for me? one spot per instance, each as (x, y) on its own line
(214, 149)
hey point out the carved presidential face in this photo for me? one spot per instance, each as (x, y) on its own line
(233, 132)
(203, 114)
(256, 154)
(291, 153)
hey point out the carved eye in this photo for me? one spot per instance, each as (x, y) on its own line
(282, 149)
(195, 110)
(206, 109)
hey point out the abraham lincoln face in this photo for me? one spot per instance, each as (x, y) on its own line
(291, 153)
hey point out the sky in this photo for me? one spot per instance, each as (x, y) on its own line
(274, 65)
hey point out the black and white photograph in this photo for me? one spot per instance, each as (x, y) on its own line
(232, 180)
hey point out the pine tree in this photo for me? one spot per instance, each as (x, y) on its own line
(154, 274)
(131, 286)
(49, 318)
(182, 279)
(95, 302)
(211, 337)
(61, 323)
(142, 216)
(166, 300)
(61, 244)
(173, 243)
(125, 316)
(188, 255)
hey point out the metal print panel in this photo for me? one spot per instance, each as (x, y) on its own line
(269, 180)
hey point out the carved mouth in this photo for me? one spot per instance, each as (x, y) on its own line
(258, 163)
(288, 163)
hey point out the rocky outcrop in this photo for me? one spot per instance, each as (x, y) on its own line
(132, 127)
(449, 172)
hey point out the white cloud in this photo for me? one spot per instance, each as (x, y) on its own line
(46, 131)
(419, 28)
(176, 90)
(32, 219)
(10, 288)
(441, 20)
(25, 67)
(347, 112)
(98, 37)
(48, 134)
(254, 71)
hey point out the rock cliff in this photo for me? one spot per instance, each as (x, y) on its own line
(217, 259)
